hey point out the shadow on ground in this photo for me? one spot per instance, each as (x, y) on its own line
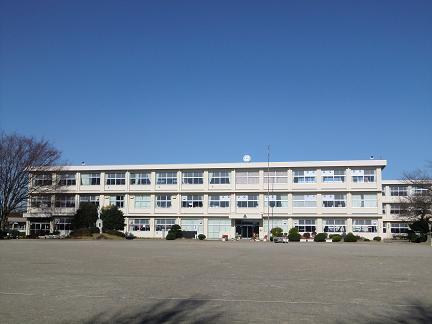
(171, 311)
(415, 312)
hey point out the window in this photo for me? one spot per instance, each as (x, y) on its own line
(395, 209)
(115, 179)
(332, 225)
(399, 191)
(216, 201)
(383, 191)
(333, 176)
(40, 201)
(305, 225)
(218, 227)
(40, 228)
(163, 201)
(384, 211)
(139, 225)
(336, 200)
(219, 177)
(192, 201)
(166, 177)
(363, 175)
(276, 176)
(117, 201)
(304, 201)
(63, 224)
(192, 225)
(192, 177)
(42, 180)
(65, 201)
(142, 201)
(67, 179)
(276, 200)
(304, 176)
(400, 228)
(92, 199)
(247, 177)
(90, 179)
(418, 191)
(247, 201)
(164, 224)
(364, 200)
(140, 178)
(365, 225)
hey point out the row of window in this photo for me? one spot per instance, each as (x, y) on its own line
(215, 201)
(215, 177)
(403, 191)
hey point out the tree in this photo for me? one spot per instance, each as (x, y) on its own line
(112, 218)
(276, 231)
(85, 216)
(19, 157)
(416, 207)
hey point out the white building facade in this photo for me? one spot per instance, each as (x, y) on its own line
(223, 199)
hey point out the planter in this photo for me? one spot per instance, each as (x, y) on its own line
(329, 241)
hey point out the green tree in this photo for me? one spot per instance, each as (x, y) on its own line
(112, 218)
(85, 216)
(294, 235)
(276, 231)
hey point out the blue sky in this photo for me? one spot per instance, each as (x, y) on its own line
(206, 81)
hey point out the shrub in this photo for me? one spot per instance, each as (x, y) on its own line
(350, 237)
(85, 216)
(336, 238)
(176, 229)
(365, 239)
(201, 237)
(294, 235)
(320, 237)
(171, 236)
(80, 232)
(114, 232)
(276, 231)
(94, 230)
(129, 236)
(377, 238)
(112, 218)
(306, 235)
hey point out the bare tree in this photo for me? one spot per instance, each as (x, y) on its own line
(19, 157)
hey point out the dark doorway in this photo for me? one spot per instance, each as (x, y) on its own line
(247, 228)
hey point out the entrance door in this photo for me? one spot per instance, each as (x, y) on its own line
(247, 228)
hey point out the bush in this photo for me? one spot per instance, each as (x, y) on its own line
(85, 216)
(365, 239)
(171, 236)
(112, 218)
(114, 232)
(201, 237)
(377, 238)
(94, 230)
(294, 235)
(336, 238)
(350, 237)
(320, 237)
(81, 232)
(276, 232)
(306, 235)
(176, 229)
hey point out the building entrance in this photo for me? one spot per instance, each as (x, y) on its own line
(247, 228)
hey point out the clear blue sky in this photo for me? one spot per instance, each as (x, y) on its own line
(206, 81)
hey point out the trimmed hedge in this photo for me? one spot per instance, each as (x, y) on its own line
(201, 237)
(377, 238)
(171, 236)
(114, 232)
(350, 237)
(320, 237)
(336, 238)
(294, 235)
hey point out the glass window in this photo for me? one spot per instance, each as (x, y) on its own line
(117, 201)
(163, 201)
(166, 177)
(247, 201)
(367, 175)
(142, 201)
(92, 199)
(399, 191)
(140, 178)
(334, 200)
(218, 227)
(365, 225)
(115, 179)
(67, 179)
(305, 225)
(395, 209)
(41, 228)
(139, 225)
(219, 177)
(65, 201)
(219, 201)
(304, 201)
(192, 177)
(90, 179)
(364, 200)
(192, 225)
(40, 201)
(333, 176)
(304, 176)
(418, 191)
(334, 225)
(192, 201)
(247, 177)
(276, 176)
(42, 180)
(400, 228)
(276, 200)
(383, 191)
(164, 224)
(63, 224)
